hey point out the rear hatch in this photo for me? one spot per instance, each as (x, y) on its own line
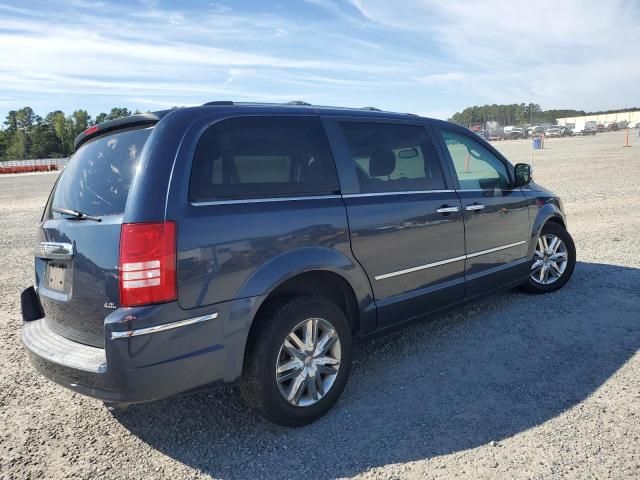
(77, 258)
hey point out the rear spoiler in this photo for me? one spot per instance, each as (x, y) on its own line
(118, 124)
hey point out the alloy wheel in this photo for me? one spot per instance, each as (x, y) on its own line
(308, 362)
(550, 260)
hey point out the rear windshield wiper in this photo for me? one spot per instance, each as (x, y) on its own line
(75, 213)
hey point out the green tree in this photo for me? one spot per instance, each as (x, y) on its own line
(3, 144)
(25, 119)
(115, 113)
(513, 114)
(63, 127)
(81, 121)
(18, 146)
(100, 118)
(44, 142)
(11, 122)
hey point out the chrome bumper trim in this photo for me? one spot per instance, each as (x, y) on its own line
(54, 250)
(163, 327)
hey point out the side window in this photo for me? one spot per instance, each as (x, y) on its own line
(392, 157)
(476, 167)
(261, 157)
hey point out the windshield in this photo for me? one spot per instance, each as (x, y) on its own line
(97, 179)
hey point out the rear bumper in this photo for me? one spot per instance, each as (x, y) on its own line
(136, 367)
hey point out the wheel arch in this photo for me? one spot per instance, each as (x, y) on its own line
(549, 212)
(316, 270)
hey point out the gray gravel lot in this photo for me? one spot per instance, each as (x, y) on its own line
(515, 386)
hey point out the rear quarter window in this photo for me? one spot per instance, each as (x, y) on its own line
(254, 157)
(98, 177)
(392, 157)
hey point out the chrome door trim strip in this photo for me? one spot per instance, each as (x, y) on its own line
(445, 262)
(496, 249)
(311, 197)
(164, 327)
(420, 267)
(54, 250)
(384, 194)
(264, 200)
(462, 190)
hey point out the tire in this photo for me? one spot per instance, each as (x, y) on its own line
(549, 231)
(266, 353)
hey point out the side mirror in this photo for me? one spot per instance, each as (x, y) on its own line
(522, 174)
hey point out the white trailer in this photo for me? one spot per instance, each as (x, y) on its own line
(585, 128)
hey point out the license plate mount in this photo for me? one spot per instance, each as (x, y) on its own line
(56, 274)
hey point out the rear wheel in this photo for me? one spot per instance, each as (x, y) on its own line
(298, 360)
(553, 261)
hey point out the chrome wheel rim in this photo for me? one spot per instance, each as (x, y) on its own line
(550, 260)
(308, 362)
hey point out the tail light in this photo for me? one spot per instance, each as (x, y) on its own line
(147, 263)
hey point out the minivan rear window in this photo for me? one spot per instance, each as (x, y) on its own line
(254, 157)
(97, 179)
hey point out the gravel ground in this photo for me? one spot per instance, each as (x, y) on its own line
(514, 386)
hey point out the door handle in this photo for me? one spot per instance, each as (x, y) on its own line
(474, 208)
(446, 209)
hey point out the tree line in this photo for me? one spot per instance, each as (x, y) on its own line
(518, 114)
(28, 135)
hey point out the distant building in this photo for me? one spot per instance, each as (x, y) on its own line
(632, 117)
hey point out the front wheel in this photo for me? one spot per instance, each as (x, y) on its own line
(298, 360)
(553, 260)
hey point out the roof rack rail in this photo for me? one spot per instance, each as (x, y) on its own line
(219, 102)
(297, 102)
(374, 109)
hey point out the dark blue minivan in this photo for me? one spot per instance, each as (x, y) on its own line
(253, 243)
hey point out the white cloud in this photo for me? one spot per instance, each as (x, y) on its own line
(573, 53)
(415, 55)
(439, 78)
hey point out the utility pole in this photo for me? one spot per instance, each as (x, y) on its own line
(531, 112)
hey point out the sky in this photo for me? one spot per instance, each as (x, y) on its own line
(427, 57)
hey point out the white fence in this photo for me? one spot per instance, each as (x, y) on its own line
(59, 162)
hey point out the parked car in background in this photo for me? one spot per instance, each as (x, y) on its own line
(253, 243)
(565, 130)
(634, 125)
(482, 134)
(515, 133)
(553, 131)
(494, 132)
(537, 130)
(585, 128)
(601, 127)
